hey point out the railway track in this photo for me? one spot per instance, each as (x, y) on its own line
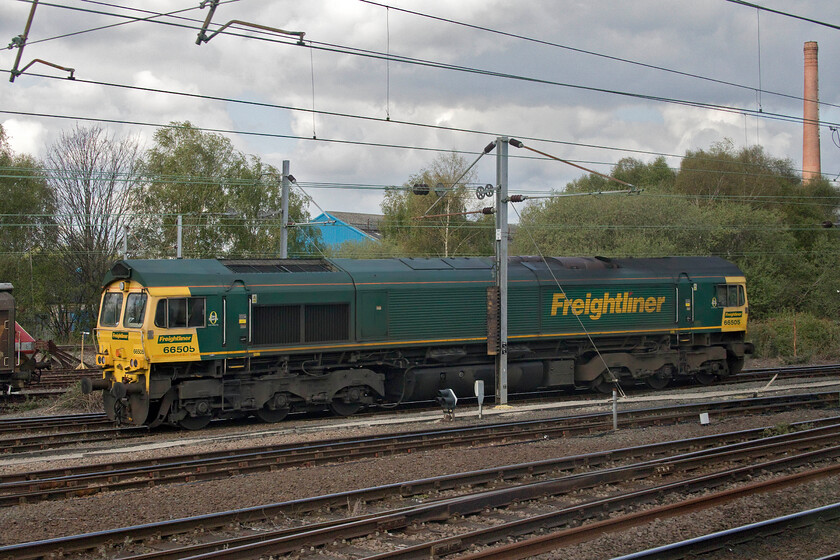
(37, 423)
(83, 429)
(61, 378)
(791, 372)
(730, 540)
(440, 516)
(89, 432)
(53, 484)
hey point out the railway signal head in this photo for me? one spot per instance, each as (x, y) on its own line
(447, 400)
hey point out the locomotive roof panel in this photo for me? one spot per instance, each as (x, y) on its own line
(266, 272)
(211, 272)
(409, 264)
(278, 265)
(426, 270)
(589, 269)
(164, 272)
(371, 273)
(693, 266)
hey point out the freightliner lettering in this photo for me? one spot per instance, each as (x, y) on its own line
(595, 307)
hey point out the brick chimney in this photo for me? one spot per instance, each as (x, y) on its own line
(811, 114)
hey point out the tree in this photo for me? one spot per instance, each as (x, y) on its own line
(608, 225)
(746, 207)
(449, 234)
(655, 176)
(94, 180)
(230, 202)
(366, 249)
(26, 208)
(722, 171)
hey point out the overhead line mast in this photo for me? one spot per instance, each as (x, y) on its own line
(501, 268)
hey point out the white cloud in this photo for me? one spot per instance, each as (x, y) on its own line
(714, 39)
(25, 136)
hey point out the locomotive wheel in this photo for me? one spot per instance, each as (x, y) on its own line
(704, 378)
(108, 401)
(342, 408)
(601, 385)
(271, 415)
(657, 382)
(138, 408)
(194, 422)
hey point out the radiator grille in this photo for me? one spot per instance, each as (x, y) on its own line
(276, 324)
(325, 323)
(278, 265)
(281, 324)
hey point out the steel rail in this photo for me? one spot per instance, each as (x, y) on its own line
(87, 480)
(441, 510)
(214, 465)
(35, 422)
(691, 548)
(259, 513)
(747, 376)
(22, 444)
(552, 541)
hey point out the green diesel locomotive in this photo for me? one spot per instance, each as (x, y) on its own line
(185, 341)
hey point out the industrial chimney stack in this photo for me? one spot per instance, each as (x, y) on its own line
(811, 115)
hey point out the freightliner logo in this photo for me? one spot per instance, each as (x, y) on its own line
(595, 307)
(170, 338)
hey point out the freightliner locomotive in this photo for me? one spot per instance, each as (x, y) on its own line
(185, 341)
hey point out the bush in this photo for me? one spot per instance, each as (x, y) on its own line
(74, 400)
(816, 338)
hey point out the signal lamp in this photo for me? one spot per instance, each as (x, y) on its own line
(447, 400)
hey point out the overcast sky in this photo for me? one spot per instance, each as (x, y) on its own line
(266, 81)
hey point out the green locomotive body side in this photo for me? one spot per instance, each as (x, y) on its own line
(182, 341)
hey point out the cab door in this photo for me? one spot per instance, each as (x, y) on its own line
(236, 310)
(372, 315)
(685, 301)
(732, 297)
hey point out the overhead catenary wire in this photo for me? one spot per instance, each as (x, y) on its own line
(583, 51)
(416, 123)
(488, 132)
(786, 14)
(518, 144)
(196, 24)
(605, 164)
(614, 379)
(338, 114)
(326, 140)
(415, 61)
(131, 19)
(487, 150)
(233, 183)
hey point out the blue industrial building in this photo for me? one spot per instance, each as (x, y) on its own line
(339, 227)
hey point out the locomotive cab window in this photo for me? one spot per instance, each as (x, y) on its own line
(111, 307)
(135, 310)
(180, 313)
(730, 295)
